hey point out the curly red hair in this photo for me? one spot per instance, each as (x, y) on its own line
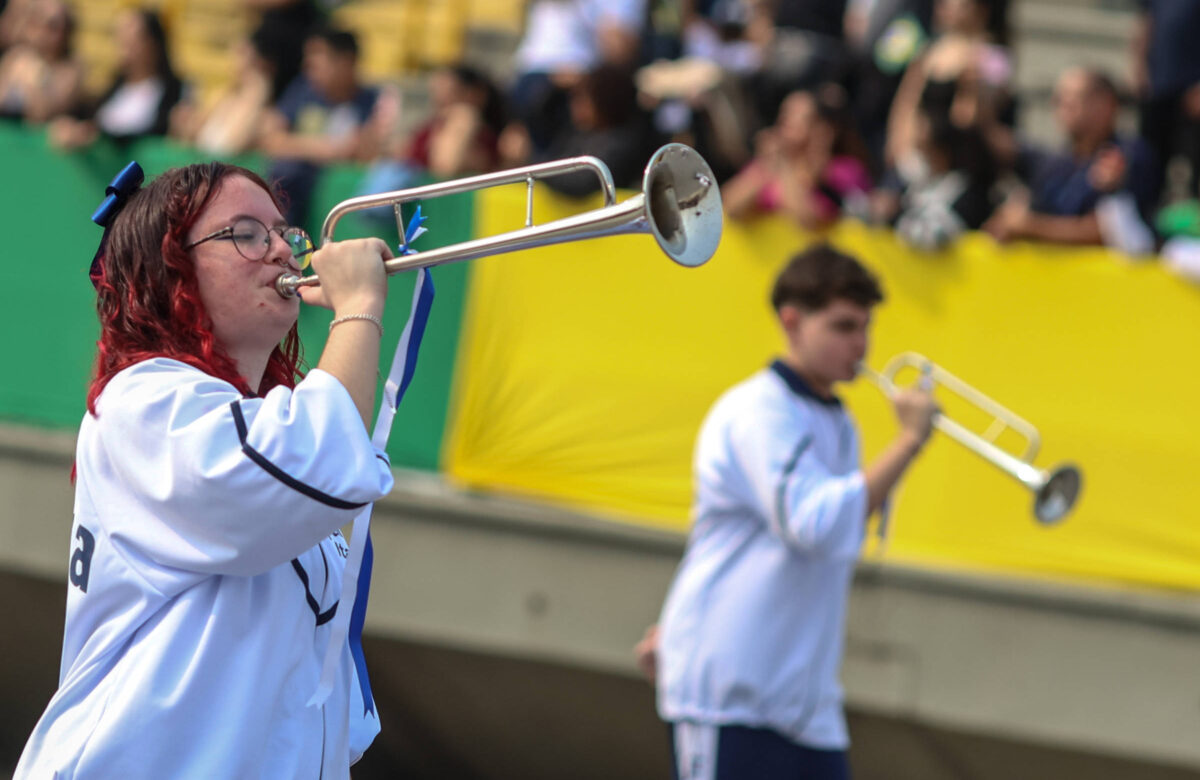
(148, 297)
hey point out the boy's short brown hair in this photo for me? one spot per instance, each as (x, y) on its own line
(820, 274)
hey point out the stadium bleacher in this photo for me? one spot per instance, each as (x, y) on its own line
(401, 38)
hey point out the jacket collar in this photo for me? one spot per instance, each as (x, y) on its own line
(796, 383)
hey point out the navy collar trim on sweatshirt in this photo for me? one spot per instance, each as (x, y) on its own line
(798, 386)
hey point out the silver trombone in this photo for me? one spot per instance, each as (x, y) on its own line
(680, 205)
(1055, 491)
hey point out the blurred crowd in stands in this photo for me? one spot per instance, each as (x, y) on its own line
(895, 112)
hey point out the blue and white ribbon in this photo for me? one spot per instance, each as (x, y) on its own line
(356, 577)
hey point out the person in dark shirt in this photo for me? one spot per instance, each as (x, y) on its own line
(823, 17)
(284, 25)
(804, 45)
(1166, 76)
(319, 119)
(1066, 187)
(605, 122)
(885, 36)
(955, 193)
(963, 75)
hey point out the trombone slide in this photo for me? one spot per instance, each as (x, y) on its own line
(679, 205)
(1055, 492)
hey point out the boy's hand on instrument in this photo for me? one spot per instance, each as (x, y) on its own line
(916, 410)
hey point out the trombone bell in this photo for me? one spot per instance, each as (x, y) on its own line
(1055, 492)
(680, 205)
(1054, 499)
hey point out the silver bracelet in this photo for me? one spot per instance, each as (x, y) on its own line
(368, 317)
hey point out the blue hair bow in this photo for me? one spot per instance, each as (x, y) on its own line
(116, 194)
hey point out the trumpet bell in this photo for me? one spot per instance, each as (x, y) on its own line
(684, 204)
(1058, 495)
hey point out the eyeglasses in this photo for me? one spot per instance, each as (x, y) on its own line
(252, 240)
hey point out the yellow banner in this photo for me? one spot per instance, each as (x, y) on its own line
(585, 370)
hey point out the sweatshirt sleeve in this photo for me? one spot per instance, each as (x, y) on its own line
(810, 509)
(218, 483)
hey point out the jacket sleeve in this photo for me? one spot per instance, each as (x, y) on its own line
(219, 483)
(810, 509)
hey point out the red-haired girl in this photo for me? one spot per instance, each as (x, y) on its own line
(211, 481)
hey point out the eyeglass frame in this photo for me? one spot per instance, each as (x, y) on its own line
(227, 233)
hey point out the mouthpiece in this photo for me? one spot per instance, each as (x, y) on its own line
(287, 285)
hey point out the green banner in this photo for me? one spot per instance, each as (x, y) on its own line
(47, 199)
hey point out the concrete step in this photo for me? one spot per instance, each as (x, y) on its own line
(1082, 19)
(1050, 37)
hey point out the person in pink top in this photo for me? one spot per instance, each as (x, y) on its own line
(807, 166)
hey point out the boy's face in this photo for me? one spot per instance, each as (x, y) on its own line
(829, 342)
(327, 70)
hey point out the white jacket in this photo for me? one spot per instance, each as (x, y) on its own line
(205, 564)
(752, 630)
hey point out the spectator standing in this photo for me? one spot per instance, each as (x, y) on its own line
(964, 73)
(1166, 77)
(884, 36)
(319, 119)
(955, 194)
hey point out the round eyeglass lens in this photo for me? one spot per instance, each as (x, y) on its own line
(301, 244)
(251, 239)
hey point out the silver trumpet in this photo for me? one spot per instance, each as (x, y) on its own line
(680, 205)
(1055, 491)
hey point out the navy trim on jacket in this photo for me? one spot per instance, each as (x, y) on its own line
(798, 386)
(240, 422)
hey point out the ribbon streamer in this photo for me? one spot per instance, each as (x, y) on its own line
(356, 577)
